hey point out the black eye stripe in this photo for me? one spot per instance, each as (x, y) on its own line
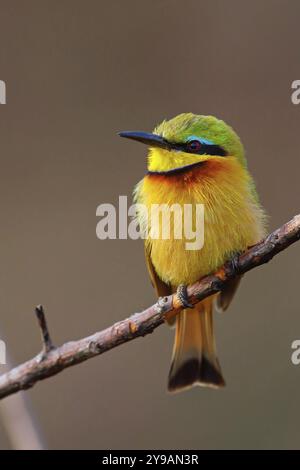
(205, 149)
(211, 149)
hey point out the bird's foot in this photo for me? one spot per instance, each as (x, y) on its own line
(234, 263)
(183, 296)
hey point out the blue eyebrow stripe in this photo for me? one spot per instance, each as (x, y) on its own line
(201, 139)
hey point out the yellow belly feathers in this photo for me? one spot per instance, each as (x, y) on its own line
(233, 218)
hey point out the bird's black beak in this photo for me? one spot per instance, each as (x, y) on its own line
(152, 140)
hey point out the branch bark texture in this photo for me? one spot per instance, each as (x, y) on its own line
(53, 360)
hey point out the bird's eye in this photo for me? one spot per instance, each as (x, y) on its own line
(194, 146)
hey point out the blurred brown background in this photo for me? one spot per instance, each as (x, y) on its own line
(76, 73)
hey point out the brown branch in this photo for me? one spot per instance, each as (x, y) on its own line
(54, 360)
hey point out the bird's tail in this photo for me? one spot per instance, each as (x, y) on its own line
(194, 360)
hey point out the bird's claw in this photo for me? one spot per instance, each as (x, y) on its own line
(234, 263)
(183, 296)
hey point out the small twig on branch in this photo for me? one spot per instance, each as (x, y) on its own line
(47, 342)
(141, 324)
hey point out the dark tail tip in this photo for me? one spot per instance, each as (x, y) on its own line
(194, 372)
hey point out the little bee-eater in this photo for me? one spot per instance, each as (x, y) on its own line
(198, 160)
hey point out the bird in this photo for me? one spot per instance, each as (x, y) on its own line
(197, 159)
